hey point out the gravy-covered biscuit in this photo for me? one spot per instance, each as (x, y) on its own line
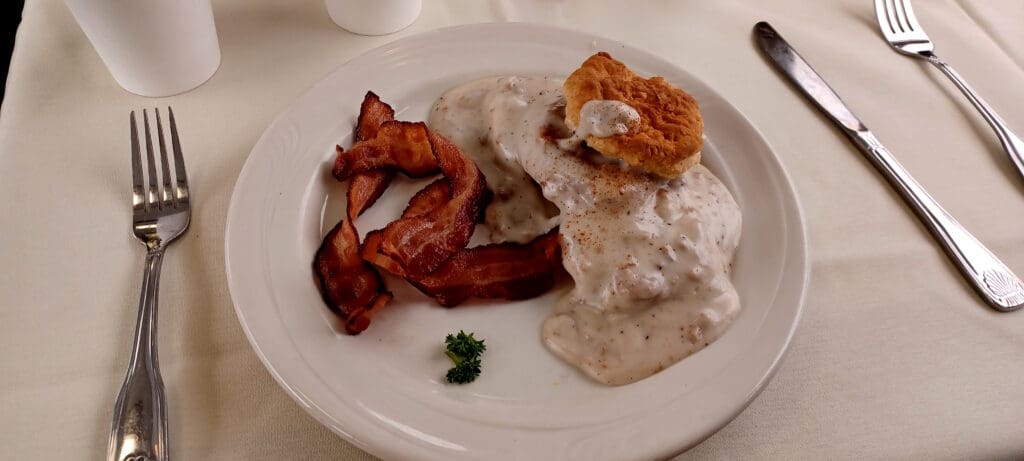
(668, 138)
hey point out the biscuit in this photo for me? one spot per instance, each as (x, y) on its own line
(667, 141)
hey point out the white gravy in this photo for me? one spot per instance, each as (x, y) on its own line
(651, 258)
(487, 120)
(601, 118)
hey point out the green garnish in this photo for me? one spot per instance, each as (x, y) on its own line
(464, 350)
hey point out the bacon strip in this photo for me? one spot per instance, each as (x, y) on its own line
(402, 146)
(436, 194)
(370, 252)
(372, 114)
(365, 188)
(349, 285)
(426, 200)
(506, 271)
(427, 244)
(496, 271)
(421, 244)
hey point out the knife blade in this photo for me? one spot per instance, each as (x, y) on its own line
(997, 285)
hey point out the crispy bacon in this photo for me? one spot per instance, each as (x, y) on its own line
(370, 252)
(436, 194)
(423, 243)
(426, 200)
(427, 244)
(365, 188)
(372, 114)
(505, 270)
(501, 270)
(401, 146)
(349, 285)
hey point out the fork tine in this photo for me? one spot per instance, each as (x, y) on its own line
(901, 15)
(890, 11)
(179, 161)
(908, 12)
(881, 13)
(165, 172)
(138, 194)
(152, 197)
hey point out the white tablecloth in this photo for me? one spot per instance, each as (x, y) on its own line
(895, 356)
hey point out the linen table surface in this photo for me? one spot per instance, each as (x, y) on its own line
(895, 356)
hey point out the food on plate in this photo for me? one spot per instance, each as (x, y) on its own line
(348, 284)
(495, 271)
(647, 233)
(427, 244)
(598, 176)
(464, 351)
(421, 244)
(365, 188)
(517, 211)
(398, 146)
(665, 138)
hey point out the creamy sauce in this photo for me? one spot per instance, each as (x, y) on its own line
(651, 258)
(601, 118)
(487, 120)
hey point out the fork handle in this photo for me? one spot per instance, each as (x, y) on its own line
(1012, 144)
(139, 430)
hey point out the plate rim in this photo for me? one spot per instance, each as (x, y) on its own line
(793, 211)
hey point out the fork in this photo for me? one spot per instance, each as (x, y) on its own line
(902, 31)
(159, 215)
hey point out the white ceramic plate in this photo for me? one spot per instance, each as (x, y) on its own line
(384, 390)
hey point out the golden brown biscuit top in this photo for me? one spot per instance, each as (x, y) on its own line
(668, 139)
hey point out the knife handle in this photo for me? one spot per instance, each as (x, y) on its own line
(1000, 288)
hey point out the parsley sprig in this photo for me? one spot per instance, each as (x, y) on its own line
(464, 351)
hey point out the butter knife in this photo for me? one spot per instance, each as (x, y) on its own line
(997, 285)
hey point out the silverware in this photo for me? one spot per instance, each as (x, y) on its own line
(902, 31)
(999, 287)
(159, 215)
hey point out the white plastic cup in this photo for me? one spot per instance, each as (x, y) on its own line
(152, 48)
(373, 17)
